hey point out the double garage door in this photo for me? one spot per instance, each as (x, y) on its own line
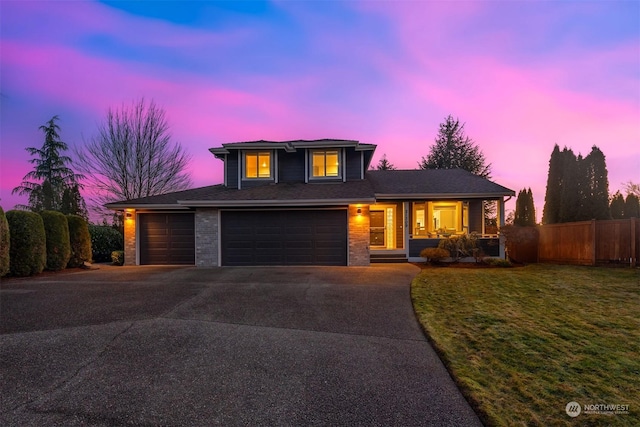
(278, 237)
(295, 237)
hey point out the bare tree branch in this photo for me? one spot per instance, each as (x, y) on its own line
(132, 155)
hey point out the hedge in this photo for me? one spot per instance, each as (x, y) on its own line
(80, 241)
(28, 248)
(56, 230)
(4, 244)
(104, 240)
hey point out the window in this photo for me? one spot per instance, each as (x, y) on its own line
(435, 219)
(257, 165)
(325, 164)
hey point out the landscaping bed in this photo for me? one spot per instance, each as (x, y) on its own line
(523, 343)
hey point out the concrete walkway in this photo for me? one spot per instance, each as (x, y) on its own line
(226, 346)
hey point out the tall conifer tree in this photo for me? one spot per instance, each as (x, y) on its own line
(553, 196)
(570, 195)
(632, 206)
(525, 212)
(617, 206)
(595, 186)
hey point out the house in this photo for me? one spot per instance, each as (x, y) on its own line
(308, 203)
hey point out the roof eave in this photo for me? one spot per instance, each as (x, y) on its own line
(269, 203)
(156, 206)
(422, 196)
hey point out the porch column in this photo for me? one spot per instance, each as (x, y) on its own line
(500, 222)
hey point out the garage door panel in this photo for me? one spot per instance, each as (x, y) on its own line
(166, 238)
(284, 237)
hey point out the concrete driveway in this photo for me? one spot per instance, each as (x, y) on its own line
(226, 346)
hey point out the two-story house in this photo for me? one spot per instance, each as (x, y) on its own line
(308, 203)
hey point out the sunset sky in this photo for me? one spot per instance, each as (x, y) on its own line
(523, 76)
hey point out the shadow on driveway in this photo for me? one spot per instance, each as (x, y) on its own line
(230, 346)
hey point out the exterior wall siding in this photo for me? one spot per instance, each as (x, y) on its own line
(353, 163)
(291, 166)
(359, 236)
(206, 228)
(231, 169)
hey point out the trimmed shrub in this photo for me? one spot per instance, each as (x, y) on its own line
(27, 243)
(80, 241)
(498, 262)
(56, 229)
(460, 246)
(104, 240)
(434, 254)
(4, 244)
(117, 257)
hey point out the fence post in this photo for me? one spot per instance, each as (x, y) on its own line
(593, 242)
(633, 256)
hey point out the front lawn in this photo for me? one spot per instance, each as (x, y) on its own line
(524, 342)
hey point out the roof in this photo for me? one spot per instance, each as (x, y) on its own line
(378, 185)
(433, 183)
(291, 146)
(290, 194)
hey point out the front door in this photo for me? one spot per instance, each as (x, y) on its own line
(377, 229)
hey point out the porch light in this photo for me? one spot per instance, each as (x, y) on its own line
(128, 215)
(359, 211)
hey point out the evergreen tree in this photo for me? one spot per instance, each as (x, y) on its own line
(594, 186)
(73, 203)
(553, 196)
(570, 185)
(632, 206)
(617, 206)
(454, 150)
(384, 164)
(525, 212)
(45, 186)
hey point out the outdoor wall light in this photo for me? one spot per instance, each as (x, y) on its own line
(359, 211)
(128, 215)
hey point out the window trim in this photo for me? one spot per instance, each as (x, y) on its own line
(257, 153)
(340, 166)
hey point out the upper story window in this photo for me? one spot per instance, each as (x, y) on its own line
(257, 164)
(325, 163)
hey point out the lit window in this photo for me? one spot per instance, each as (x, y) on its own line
(437, 219)
(257, 165)
(325, 164)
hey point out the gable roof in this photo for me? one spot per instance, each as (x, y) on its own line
(433, 183)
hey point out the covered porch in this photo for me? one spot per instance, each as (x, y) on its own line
(400, 229)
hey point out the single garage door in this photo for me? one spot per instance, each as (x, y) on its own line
(284, 237)
(166, 238)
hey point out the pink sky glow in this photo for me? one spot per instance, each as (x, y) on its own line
(523, 76)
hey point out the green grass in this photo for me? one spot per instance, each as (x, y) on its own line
(523, 342)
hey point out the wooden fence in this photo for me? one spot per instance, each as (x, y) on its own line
(584, 243)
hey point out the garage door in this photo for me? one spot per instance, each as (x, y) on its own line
(284, 237)
(166, 238)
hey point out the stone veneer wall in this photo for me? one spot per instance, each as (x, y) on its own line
(206, 229)
(130, 239)
(359, 236)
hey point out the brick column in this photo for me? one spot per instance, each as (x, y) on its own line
(130, 237)
(359, 235)
(206, 228)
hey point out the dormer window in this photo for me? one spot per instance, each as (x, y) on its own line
(257, 164)
(325, 164)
